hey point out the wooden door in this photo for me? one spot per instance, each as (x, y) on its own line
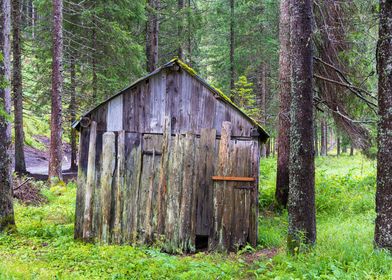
(234, 193)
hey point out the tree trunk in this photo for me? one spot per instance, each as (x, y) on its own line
(301, 205)
(232, 46)
(56, 149)
(283, 143)
(351, 150)
(94, 61)
(338, 146)
(273, 147)
(33, 20)
(7, 221)
(331, 136)
(324, 136)
(262, 102)
(383, 229)
(72, 111)
(152, 35)
(20, 165)
(180, 22)
(189, 46)
(268, 148)
(316, 146)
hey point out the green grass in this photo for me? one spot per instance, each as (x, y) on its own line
(44, 247)
(345, 191)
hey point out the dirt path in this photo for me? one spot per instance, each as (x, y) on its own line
(37, 161)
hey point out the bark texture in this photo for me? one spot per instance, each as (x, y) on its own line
(301, 205)
(338, 146)
(262, 102)
(56, 150)
(152, 34)
(180, 51)
(232, 46)
(190, 37)
(282, 176)
(20, 165)
(324, 137)
(94, 61)
(72, 112)
(6, 207)
(316, 140)
(383, 230)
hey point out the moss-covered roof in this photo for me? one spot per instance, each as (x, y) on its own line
(263, 134)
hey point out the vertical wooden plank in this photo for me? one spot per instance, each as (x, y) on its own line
(133, 159)
(81, 182)
(152, 146)
(129, 110)
(97, 208)
(158, 88)
(90, 184)
(108, 166)
(205, 171)
(137, 111)
(185, 233)
(210, 112)
(195, 112)
(174, 188)
(228, 216)
(173, 100)
(99, 115)
(220, 116)
(119, 188)
(185, 87)
(149, 197)
(163, 173)
(240, 211)
(143, 204)
(114, 117)
(217, 240)
(145, 106)
(254, 200)
(194, 198)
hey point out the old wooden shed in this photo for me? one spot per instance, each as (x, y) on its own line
(172, 160)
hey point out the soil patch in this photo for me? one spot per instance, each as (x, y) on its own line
(28, 191)
(267, 253)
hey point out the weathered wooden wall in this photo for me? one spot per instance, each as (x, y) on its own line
(190, 105)
(151, 187)
(147, 163)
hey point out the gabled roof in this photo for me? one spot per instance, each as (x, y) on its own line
(219, 94)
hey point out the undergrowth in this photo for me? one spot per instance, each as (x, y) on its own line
(44, 247)
(345, 203)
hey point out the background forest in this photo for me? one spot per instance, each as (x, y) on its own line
(235, 46)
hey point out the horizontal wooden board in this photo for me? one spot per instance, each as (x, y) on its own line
(237, 179)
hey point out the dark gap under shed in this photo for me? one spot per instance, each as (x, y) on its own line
(201, 242)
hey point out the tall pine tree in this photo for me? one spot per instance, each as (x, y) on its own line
(301, 204)
(7, 220)
(383, 231)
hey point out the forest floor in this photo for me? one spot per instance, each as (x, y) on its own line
(44, 248)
